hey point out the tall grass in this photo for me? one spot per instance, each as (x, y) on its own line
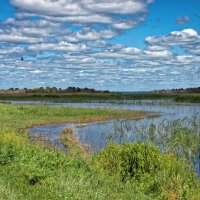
(180, 137)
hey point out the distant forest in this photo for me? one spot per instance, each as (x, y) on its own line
(180, 91)
(54, 90)
(51, 90)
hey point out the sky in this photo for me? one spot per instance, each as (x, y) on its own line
(129, 45)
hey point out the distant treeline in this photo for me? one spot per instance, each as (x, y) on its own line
(51, 90)
(180, 91)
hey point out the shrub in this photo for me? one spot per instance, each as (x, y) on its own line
(153, 172)
(130, 160)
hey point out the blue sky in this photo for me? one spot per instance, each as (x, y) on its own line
(129, 45)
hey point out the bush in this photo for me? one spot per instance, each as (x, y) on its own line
(130, 160)
(153, 172)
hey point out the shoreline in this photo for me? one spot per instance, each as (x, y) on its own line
(96, 119)
(67, 136)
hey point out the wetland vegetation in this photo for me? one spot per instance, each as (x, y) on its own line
(89, 97)
(156, 167)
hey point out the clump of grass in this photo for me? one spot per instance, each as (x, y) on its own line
(6, 192)
(70, 141)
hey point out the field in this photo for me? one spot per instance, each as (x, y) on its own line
(121, 171)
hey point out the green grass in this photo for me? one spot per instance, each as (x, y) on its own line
(29, 171)
(32, 172)
(22, 116)
(190, 98)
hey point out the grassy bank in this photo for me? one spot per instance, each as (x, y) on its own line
(23, 116)
(128, 171)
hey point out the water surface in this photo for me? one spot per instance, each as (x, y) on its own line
(96, 135)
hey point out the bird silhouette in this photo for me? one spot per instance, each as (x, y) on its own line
(22, 58)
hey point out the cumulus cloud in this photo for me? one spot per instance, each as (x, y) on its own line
(119, 52)
(88, 34)
(86, 11)
(19, 39)
(156, 48)
(27, 23)
(158, 54)
(14, 50)
(51, 7)
(73, 37)
(61, 46)
(185, 37)
(116, 6)
(194, 50)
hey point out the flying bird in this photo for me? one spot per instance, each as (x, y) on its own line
(22, 58)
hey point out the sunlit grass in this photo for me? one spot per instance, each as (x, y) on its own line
(22, 116)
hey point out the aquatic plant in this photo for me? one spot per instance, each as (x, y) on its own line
(179, 137)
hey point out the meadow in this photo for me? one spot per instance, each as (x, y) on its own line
(120, 171)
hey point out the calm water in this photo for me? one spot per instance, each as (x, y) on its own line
(96, 135)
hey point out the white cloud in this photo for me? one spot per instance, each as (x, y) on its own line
(27, 23)
(14, 50)
(86, 11)
(61, 46)
(158, 54)
(194, 50)
(185, 37)
(82, 19)
(188, 60)
(116, 6)
(51, 7)
(131, 51)
(119, 52)
(156, 48)
(19, 39)
(90, 34)
(72, 37)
